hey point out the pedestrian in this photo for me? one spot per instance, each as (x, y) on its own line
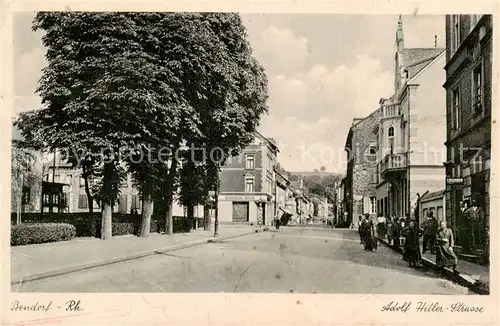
(390, 231)
(277, 222)
(411, 246)
(430, 230)
(475, 217)
(445, 256)
(360, 230)
(381, 227)
(369, 240)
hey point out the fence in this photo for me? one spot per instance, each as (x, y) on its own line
(89, 224)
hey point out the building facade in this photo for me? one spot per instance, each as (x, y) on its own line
(247, 189)
(411, 134)
(434, 202)
(360, 182)
(468, 106)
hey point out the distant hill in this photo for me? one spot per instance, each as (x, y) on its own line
(320, 183)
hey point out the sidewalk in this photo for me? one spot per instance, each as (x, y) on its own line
(34, 262)
(473, 276)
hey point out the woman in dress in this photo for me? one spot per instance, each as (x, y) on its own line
(445, 257)
(412, 248)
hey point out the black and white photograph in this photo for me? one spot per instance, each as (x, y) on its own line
(226, 152)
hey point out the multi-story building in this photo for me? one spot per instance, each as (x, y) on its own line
(360, 182)
(282, 192)
(58, 187)
(247, 190)
(410, 134)
(468, 106)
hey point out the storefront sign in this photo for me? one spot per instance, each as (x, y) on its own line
(454, 181)
(244, 198)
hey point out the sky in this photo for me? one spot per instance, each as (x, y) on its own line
(323, 71)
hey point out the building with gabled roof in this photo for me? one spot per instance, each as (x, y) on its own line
(411, 133)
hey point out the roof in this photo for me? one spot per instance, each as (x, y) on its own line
(416, 59)
(270, 141)
(433, 195)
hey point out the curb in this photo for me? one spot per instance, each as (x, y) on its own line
(448, 273)
(94, 264)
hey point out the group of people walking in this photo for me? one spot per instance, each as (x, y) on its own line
(405, 233)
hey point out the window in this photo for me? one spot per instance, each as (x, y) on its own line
(82, 182)
(455, 42)
(373, 205)
(373, 148)
(83, 202)
(390, 134)
(250, 161)
(122, 204)
(477, 91)
(249, 185)
(455, 110)
(57, 178)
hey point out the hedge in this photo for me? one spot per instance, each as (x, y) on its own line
(89, 224)
(26, 234)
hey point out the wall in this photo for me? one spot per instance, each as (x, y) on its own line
(435, 204)
(364, 165)
(427, 115)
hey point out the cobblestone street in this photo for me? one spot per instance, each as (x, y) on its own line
(293, 260)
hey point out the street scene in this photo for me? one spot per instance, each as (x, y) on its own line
(289, 261)
(226, 152)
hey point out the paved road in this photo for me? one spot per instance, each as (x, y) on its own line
(293, 260)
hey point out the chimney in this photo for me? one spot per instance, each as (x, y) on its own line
(399, 35)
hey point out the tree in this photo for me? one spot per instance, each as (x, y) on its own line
(93, 92)
(226, 87)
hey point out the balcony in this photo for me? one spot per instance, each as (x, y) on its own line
(391, 110)
(393, 164)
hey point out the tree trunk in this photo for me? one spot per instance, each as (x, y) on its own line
(206, 217)
(90, 199)
(20, 198)
(107, 203)
(106, 224)
(147, 211)
(169, 199)
(190, 217)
